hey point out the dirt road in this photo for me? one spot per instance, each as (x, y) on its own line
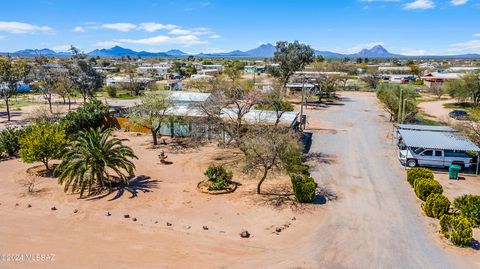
(375, 221)
(436, 109)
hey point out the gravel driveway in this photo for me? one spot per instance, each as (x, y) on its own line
(375, 221)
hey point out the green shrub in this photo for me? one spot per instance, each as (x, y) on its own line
(301, 169)
(111, 91)
(424, 187)
(469, 206)
(304, 188)
(418, 172)
(89, 115)
(436, 205)
(219, 177)
(458, 229)
(9, 140)
(44, 142)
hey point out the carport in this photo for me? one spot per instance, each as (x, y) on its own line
(442, 139)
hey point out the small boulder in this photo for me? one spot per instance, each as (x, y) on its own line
(108, 214)
(75, 211)
(29, 205)
(205, 227)
(16, 204)
(294, 218)
(278, 230)
(245, 234)
(134, 219)
(169, 224)
(53, 208)
(126, 216)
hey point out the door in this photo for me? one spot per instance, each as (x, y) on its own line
(426, 158)
(437, 158)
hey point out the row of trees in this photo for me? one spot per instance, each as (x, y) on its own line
(75, 75)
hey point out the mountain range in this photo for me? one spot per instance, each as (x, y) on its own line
(263, 51)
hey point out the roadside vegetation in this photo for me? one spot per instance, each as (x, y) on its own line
(457, 220)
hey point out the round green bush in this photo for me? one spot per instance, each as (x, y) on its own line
(458, 229)
(301, 169)
(469, 206)
(418, 172)
(424, 187)
(436, 205)
(304, 188)
(219, 177)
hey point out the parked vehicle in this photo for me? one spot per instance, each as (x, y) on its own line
(458, 115)
(435, 158)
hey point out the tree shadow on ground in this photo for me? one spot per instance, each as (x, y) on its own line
(307, 141)
(321, 158)
(324, 195)
(475, 244)
(135, 185)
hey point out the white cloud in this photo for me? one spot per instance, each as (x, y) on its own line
(466, 47)
(2, 37)
(79, 29)
(180, 32)
(120, 26)
(186, 40)
(153, 27)
(458, 2)
(477, 34)
(420, 4)
(14, 27)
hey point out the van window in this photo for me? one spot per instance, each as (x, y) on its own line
(438, 153)
(427, 153)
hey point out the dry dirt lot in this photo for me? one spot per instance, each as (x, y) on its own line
(90, 239)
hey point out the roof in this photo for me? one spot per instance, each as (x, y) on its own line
(181, 96)
(261, 116)
(425, 128)
(300, 85)
(437, 140)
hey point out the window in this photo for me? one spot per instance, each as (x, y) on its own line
(438, 153)
(427, 153)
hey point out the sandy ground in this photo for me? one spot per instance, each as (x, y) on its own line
(89, 239)
(371, 218)
(436, 109)
(377, 221)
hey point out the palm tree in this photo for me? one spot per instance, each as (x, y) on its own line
(90, 158)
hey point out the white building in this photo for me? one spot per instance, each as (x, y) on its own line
(112, 81)
(158, 70)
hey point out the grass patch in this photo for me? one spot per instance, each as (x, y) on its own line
(460, 105)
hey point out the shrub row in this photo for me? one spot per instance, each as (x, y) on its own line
(456, 228)
(304, 188)
(418, 172)
(425, 187)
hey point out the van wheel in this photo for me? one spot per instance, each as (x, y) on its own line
(412, 163)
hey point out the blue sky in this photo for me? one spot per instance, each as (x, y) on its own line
(412, 27)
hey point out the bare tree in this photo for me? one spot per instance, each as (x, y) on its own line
(263, 147)
(10, 75)
(152, 112)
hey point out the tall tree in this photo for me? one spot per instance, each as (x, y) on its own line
(291, 57)
(91, 157)
(85, 79)
(10, 75)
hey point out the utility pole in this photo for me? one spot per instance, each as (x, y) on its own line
(301, 105)
(400, 106)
